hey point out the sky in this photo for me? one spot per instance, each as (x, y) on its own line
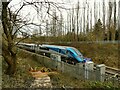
(31, 13)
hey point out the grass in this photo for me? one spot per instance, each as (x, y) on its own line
(57, 79)
(23, 78)
(0, 72)
(100, 53)
(64, 80)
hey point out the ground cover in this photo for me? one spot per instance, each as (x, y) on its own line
(23, 78)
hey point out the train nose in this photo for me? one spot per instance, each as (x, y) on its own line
(87, 59)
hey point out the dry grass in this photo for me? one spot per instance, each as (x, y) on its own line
(100, 53)
(23, 77)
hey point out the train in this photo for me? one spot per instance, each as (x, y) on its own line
(68, 54)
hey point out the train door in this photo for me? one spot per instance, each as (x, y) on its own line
(36, 47)
(69, 56)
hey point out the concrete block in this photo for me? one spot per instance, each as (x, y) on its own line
(100, 72)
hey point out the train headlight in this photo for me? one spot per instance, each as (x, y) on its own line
(84, 60)
(87, 59)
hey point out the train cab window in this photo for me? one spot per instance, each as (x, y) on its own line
(77, 52)
(69, 53)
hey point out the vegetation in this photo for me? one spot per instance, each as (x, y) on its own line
(100, 53)
(76, 27)
(8, 40)
(12, 23)
(23, 78)
(80, 24)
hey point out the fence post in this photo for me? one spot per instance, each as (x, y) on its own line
(43, 59)
(88, 69)
(57, 59)
(80, 71)
(100, 69)
(62, 70)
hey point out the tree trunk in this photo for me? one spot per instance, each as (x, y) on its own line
(118, 35)
(104, 29)
(77, 21)
(8, 48)
(11, 68)
(10, 58)
(110, 15)
(114, 19)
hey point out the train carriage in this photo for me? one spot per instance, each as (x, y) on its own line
(69, 54)
(72, 53)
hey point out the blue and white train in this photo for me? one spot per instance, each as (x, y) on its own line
(73, 55)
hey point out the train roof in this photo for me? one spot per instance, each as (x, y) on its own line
(31, 44)
(64, 47)
(54, 46)
(27, 44)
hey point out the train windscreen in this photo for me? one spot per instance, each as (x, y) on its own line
(77, 52)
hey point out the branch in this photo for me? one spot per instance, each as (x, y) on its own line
(25, 38)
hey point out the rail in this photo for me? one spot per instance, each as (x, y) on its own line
(113, 71)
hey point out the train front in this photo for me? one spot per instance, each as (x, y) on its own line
(85, 59)
(78, 56)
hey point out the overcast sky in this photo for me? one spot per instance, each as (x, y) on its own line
(66, 4)
(32, 14)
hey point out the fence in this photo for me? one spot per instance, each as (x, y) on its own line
(80, 71)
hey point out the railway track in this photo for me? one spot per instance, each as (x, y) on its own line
(113, 71)
(110, 71)
(112, 74)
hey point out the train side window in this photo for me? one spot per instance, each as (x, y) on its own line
(59, 50)
(69, 53)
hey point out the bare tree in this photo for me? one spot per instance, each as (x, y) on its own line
(95, 16)
(73, 25)
(91, 18)
(77, 14)
(47, 29)
(54, 24)
(109, 19)
(84, 17)
(104, 21)
(12, 24)
(114, 20)
(118, 21)
(68, 25)
(87, 26)
(99, 9)
(60, 25)
(8, 49)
